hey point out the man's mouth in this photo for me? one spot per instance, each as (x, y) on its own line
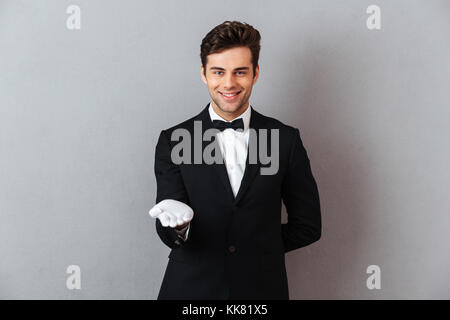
(230, 95)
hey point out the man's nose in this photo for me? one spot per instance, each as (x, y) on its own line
(229, 82)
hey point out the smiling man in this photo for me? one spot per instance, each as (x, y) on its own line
(230, 77)
(222, 221)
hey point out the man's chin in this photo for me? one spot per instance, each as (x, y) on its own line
(230, 110)
(230, 106)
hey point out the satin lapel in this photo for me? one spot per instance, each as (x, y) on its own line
(251, 170)
(220, 169)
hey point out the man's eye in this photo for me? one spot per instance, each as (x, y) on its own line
(240, 72)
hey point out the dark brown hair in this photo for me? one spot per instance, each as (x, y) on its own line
(231, 34)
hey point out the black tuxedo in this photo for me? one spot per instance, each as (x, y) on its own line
(236, 246)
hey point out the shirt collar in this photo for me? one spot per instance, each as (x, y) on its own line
(245, 116)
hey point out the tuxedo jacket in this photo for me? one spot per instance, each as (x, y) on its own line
(236, 245)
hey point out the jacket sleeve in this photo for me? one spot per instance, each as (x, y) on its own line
(170, 185)
(183, 233)
(301, 198)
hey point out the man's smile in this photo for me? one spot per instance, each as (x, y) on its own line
(230, 96)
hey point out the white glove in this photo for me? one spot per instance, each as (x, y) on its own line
(172, 213)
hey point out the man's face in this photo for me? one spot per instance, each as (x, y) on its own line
(230, 71)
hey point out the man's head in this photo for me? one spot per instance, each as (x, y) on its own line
(229, 54)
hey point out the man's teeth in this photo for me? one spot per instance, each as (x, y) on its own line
(230, 94)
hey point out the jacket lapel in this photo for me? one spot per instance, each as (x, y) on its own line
(251, 170)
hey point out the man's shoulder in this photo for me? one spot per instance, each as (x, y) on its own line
(286, 133)
(273, 123)
(185, 124)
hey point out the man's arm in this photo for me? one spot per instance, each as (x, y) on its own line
(301, 198)
(170, 185)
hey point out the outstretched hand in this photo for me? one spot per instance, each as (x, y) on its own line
(172, 213)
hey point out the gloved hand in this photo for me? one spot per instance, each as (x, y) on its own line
(172, 213)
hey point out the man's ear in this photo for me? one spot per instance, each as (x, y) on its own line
(202, 74)
(255, 78)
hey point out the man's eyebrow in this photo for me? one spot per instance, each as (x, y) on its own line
(235, 69)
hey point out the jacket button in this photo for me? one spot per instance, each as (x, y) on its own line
(232, 249)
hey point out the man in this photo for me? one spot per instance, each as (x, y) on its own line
(223, 220)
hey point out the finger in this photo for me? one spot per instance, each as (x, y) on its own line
(180, 222)
(189, 214)
(155, 211)
(173, 221)
(165, 221)
(177, 218)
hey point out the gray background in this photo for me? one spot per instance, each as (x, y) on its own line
(81, 111)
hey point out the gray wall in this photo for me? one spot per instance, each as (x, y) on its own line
(81, 110)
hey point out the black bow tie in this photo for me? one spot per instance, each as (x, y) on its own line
(235, 124)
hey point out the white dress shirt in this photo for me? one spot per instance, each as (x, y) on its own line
(233, 146)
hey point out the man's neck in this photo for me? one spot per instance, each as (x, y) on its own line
(230, 116)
